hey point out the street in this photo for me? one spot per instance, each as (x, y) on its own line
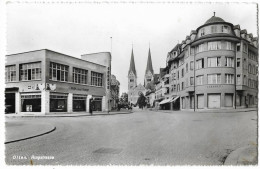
(140, 138)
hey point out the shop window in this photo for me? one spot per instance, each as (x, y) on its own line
(58, 72)
(229, 78)
(96, 79)
(80, 75)
(214, 62)
(10, 73)
(30, 71)
(214, 79)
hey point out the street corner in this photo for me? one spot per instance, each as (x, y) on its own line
(19, 130)
(243, 156)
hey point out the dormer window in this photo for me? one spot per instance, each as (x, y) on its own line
(225, 29)
(202, 32)
(213, 29)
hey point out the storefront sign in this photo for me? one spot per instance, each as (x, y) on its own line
(44, 86)
(78, 88)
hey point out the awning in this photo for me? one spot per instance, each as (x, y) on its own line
(174, 99)
(165, 101)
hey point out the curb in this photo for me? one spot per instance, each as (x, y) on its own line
(63, 115)
(13, 141)
(242, 156)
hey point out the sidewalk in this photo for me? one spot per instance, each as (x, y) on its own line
(73, 114)
(243, 156)
(207, 110)
(22, 130)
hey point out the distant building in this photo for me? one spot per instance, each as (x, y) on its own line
(44, 81)
(115, 86)
(215, 67)
(133, 89)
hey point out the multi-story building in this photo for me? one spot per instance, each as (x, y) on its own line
(44, 81)
(214, 67)
(115, 86)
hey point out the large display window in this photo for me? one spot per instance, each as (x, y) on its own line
(58, 102)
(31, 102)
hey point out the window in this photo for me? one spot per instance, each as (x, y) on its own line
(182, 85)
(96, 79)
(202, 32)
(191, 65)
(213, 29)
(58, 72)
(200, 64)
(30, 71)
(201, 48)
(244, 80)
(249, 83)
(191, 81)
(249, 68)
(10, 73)
(228, 46)
(245, 48)
(178, 87)
(187, 67)
(229, 78)
(178, 75)
(225, 29)
(174, 87)
(131, 80)
(80, 76)
(192, 51)
(214, 45)
(214, 79)
(238, 47)
(239, 80)
(238, 62)
(182, 72)
(199, 80)
(214, 62)
(229, 62)
(244, 64)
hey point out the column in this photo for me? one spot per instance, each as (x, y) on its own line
(17, 102)
(104, 104)
(45, 102)
(70, 103)
(87, 103)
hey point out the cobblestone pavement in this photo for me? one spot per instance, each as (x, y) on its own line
(140, 138)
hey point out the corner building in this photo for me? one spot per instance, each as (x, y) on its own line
(43, 81)
(215, 67)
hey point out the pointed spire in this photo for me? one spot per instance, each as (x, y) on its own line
(149, 66)
(132, 63)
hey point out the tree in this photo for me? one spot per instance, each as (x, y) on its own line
(141, 102)
(124, 98)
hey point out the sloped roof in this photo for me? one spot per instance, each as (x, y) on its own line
(214, 19)
(149, 66)
(132, 64)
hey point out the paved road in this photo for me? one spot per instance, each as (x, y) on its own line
(143, 137)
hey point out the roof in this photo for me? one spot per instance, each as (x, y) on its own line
(149, 66)
(175, 48)
(132, 64)
(214, 19)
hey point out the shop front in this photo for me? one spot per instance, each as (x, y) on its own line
(58, 102)
(31, 102)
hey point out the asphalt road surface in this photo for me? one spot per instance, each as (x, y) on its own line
(140, 138)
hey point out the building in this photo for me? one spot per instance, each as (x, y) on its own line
(43, 81)
(103, 58)
(134, 89)
(115, 86)
(215, 67)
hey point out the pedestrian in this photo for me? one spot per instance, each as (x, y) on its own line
(90, 107)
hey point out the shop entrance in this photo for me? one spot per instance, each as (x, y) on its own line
(9, 103)
(31, 102)
(97, 104)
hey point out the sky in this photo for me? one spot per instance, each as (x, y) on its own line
(80, 28)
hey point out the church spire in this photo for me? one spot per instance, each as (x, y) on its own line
(149, 66)
(132, 63)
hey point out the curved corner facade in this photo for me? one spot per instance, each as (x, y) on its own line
(215, 67)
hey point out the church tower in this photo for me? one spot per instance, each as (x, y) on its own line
(132, 76)
(148, 77)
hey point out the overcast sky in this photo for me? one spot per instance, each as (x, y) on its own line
(76, 29)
